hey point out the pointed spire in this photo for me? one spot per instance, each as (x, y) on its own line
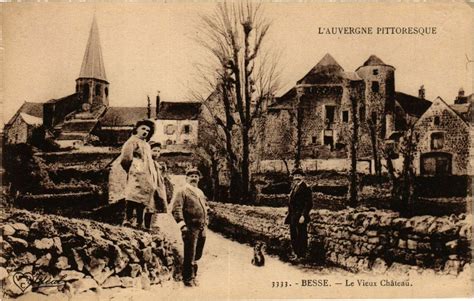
(93, 63)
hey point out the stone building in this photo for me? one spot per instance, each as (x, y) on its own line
(323, 99)
(19, 129)
(321, 103)
(177, 123)
(444, 144)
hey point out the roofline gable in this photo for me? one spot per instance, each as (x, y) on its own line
(447, 106)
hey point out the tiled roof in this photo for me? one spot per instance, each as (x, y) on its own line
(326, 71)
(179, 110)
(412, 105)
(72, 97)
(373, 60)
(285, 101)
(31, 108)
(124, 116)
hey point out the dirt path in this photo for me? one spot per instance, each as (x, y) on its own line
(225, 271)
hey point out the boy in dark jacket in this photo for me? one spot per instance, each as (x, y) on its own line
(299, 206)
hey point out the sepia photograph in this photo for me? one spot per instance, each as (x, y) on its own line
(227, 150)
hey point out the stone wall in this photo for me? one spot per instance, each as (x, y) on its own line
(359, 239)
(79, 255)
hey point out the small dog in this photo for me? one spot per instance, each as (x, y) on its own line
(258, 257)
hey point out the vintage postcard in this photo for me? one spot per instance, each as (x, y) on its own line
(218, 150)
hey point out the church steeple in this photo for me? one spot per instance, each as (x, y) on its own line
(92, 84)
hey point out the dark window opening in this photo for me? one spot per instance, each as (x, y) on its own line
(77, 87)
(185, 141)
(169, 142)
(437, 141)
(375, 87)
(375, 72)
(330, 114)
(97, 90)
(187, 129)
(85, 93)
(345, 116)
(437, 120)
(106, 91)
(314, 139)
(329, 140)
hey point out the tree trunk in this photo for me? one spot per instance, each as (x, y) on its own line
(299, 134)
(375, 153)
(353, 152)
(245, 166)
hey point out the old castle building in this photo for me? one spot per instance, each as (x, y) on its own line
(322, 104)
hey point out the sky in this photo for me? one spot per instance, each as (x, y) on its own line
(150, 46)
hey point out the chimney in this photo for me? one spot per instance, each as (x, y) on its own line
(461, 92)
(421, 92)
(157, 103)
(148, 108)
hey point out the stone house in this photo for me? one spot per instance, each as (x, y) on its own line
(19, 129)
(177, 123)
(444, 144)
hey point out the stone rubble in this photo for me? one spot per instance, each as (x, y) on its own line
(82, 255)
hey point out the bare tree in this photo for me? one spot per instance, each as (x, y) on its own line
(403, 182)
(245, 73)
(354, 141)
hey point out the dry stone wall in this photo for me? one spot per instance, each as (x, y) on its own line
(359, 239)
(75, 256)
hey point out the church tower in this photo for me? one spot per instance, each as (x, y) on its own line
(92, 85)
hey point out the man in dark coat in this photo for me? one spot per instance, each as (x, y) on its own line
(299, 206)
(190, 212)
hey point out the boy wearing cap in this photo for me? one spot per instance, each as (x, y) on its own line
(190, 212)
(299, 206)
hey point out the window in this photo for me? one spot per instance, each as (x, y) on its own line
(330, 114)
(437, 120)
(186, 129)
(345, 116)
(375, 87)
(437, 140)
(97, 90)
(375, 71)
(314, 139)
(169, 142)
(106, 91)
(85, 93)
(185, 141)
(169, 129)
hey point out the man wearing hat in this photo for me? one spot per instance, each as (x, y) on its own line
(299, 206)
(190, 212)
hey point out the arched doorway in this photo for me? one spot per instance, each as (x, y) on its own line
(436, 163)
